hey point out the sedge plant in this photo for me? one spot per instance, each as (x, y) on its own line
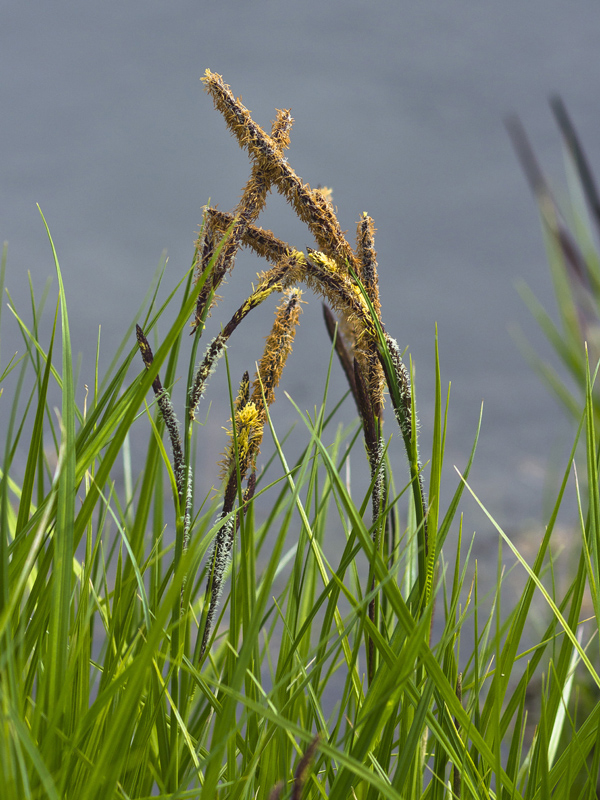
(157, 644)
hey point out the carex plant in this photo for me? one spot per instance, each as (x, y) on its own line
(235, 659)
(346, 278)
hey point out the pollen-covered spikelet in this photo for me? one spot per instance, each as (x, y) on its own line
(248, 435)
(319, 272)
(310, 205)
(243, 394)
(323, 275)
(326, 192)
(278, 346)
(254, 194)
(249, 207)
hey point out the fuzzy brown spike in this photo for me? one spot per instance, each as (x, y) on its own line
(311, 205)
(319, 272)
(249, 424)
(277, 349)
(376, 383)
(250, 415)
(251, 203)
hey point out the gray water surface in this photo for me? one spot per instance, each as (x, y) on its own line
(399, 107)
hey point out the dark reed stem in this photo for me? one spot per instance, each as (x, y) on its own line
(576, 150)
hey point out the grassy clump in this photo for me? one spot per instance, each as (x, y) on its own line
(159, 648)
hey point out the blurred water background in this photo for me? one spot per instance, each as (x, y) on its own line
(399, 108)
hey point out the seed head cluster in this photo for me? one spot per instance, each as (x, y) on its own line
(344, 276)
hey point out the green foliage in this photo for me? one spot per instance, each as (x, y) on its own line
(369, 666)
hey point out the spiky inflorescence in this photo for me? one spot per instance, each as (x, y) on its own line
(167, 411)
(250, 411)
(214, 351)
(217, 565)
(248, 435)
(320, 273)
(277, 349)
(243, 394)
(374, 446)
(251, 415)
(249, 207)
(365, 240)
(310, 205)
(403, 414)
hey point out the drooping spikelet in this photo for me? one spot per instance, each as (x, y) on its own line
(249, 207)
(311, 205)
(278, 346)
(248, 435)
(343, 351)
